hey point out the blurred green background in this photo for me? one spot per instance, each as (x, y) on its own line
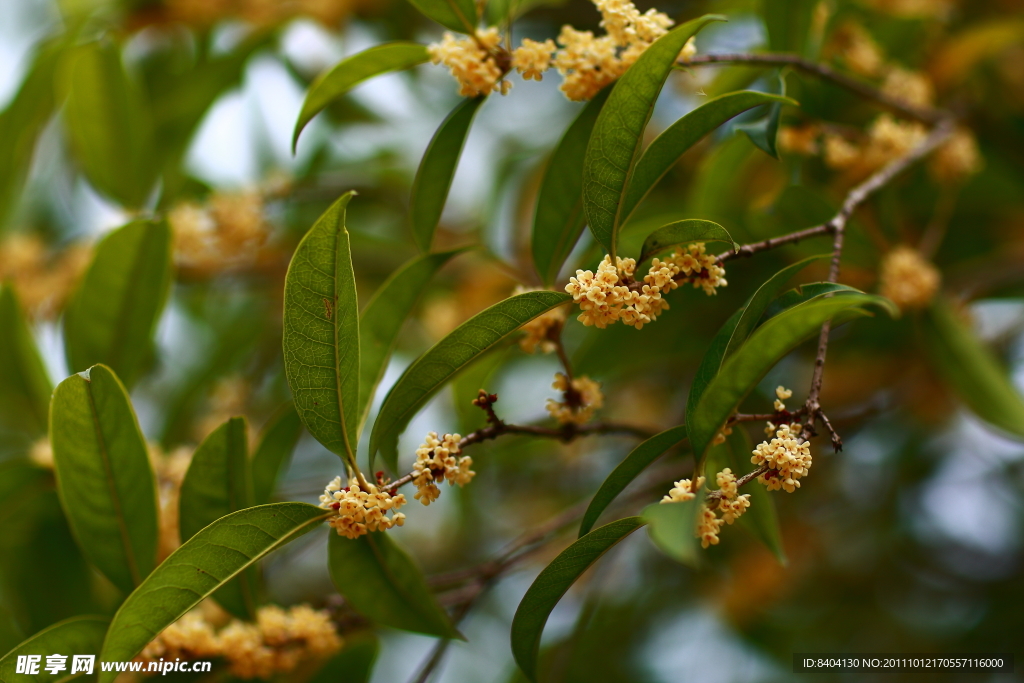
(910, 540)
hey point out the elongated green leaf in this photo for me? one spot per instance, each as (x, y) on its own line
(200, 566)
(354, 664)
(321, 333)
(618, 133)
(352, 71)
(710, 364)
(789, 25)
(104, 477)
(383, 582)
(684, 232)
(107, 124)
(24, 386)
(972, 370)
(553, 582)
(437, 168)
(762, 298)
(741, 372)
(672, 527)
(75, 636)
(760, 519)
(805, 292)
(629, 469)
(662, 154)
(22, 122)
(558, 221)
(383, 317)
(446, 358)
(275, 449)
(765, 130)
(219, 482)
(112, 316)
(458, 15)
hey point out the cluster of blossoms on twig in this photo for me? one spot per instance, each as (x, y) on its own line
(362, 508)
(42, 278)
(787, 456)
(908, 279)
(728, 502)
(613, 295)
(278, 641)
(542, 332)
(581, 397)
(587, 63)
(438, 460)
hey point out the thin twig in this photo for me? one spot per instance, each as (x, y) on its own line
(774, 242)
(826, 72)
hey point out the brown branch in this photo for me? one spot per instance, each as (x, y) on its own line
(774, 242)
(826, 72)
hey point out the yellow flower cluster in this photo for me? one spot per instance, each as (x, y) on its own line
(888, 139)
(913, 87)
(543, 330)
(588, 63)
(730, 503)
(908, 279)
(228, 233)
(436, 461)
(472, 61)
(612, 294)
(582, 397)
(787, 456)
(858, 49)
(43, 280)
(957, 159)
(278, 642)
(361, 511)
(781, 394)
(799, 139)
(683, 490)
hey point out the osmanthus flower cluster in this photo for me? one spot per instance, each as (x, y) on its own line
(787, 456)
(438, 460)
(587, 63)
(543, 331)
(908, 279)
(361, 507)
(277, 642)
(227, 232)
(43, 279)
(728, 502)
(612, 294)
(581, 397)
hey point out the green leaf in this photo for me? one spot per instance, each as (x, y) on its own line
(672, 527)
(104, 477)
(789, 25)
(558, 221)
(383, 317)
(764, 131)
(112, 316)
(662, 154)
(760, 519)
(75, 636)
(972, 370)
(437, 168)
(22, 122)
(383, 582)
(219, 482)
(802, 293)
(505, 11)
(619, 131)
(352, 71)
(279, 440)
(446, 358)
(553, 582)
(321, 333)
(24, 385)
(684, 232)
(629, 469)
(107, 124)
(200, 566)
(762, 298)
(458, 15)
(741, 372)
(354, 664)
(710, 364)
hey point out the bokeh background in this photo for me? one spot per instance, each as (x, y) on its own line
(910, 540)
